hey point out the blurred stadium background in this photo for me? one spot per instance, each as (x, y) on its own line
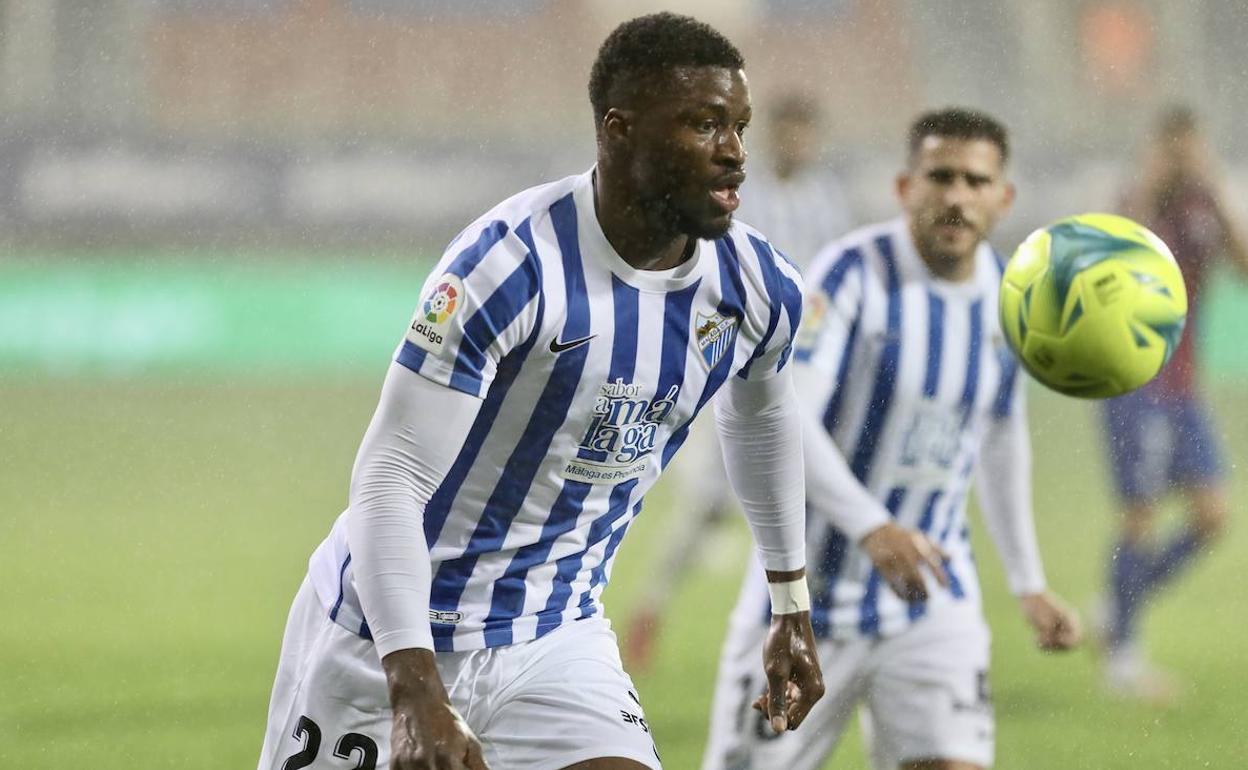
(215, 216)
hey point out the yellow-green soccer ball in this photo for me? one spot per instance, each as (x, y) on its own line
(1093, 305)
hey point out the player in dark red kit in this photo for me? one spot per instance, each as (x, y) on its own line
(1160, 438)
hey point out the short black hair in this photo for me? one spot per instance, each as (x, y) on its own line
(650, 46)
(958, 123)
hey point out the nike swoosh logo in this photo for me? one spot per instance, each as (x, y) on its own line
(557, 347)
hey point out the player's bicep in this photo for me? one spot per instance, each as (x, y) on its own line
(478, 304)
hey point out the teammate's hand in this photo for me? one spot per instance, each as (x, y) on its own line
(426, 733)
(794, 679)
(1056, 623)
(900, 555)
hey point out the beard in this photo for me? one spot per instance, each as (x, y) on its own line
(665, 214)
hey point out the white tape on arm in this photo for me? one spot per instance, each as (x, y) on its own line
(789, 597)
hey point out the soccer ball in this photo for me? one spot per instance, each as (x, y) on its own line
(1093, 305)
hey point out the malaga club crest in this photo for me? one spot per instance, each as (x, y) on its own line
(715, 335)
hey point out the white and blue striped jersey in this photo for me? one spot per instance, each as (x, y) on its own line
(590, 373)
(918, 370)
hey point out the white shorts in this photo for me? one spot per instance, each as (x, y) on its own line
(926, 691)
(540, 705)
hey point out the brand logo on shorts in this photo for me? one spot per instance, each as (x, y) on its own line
(432, 320)
(445, 617)
(715, 335)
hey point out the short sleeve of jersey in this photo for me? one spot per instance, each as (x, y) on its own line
(832, 306)
(477, 305)
(777, 311)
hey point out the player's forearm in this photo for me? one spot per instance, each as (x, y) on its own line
(760, 431)
(832, 490)
(1003, 481)
(402, 461)
(412, 675)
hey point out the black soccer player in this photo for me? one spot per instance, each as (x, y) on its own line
(566, 340)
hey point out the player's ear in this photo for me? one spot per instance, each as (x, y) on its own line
(616, 125)
(1007, 199)
(902, 186)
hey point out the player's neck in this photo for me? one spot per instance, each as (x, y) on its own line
(633, 235)
(948, 267)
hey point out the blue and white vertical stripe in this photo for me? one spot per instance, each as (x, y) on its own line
(590, 374)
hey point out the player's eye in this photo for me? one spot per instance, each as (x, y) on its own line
(708, 125)
(741, 128)
(941, 176)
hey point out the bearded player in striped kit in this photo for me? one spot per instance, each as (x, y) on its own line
(908, 393)
(565, 342)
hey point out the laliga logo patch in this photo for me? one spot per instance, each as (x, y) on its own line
(715, 335)
(432, 320)
(441, 304)
(813, 312)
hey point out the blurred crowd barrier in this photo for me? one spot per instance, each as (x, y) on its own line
(324, 121)
(266, 315)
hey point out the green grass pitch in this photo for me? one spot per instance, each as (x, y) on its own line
(154, 533)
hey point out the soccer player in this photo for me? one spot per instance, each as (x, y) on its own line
(1159, 436)
(801, 207)
(908, 393)
(564, 343)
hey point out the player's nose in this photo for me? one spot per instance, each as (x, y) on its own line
(730, 149)
(956, 194)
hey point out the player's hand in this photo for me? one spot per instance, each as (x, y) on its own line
(794, 679)
(1055, 622)
(900, 554)
(426, 733)
(641, 638)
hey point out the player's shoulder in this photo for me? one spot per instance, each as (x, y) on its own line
(759, 256)
(855, 251)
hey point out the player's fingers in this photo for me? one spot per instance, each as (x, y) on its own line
(1069, 633)
(1074, 628)
(777, 693)
(798, 707)
(803, 697)
(935, 559)
(474, 759)
(760, 703)
(904, 582)
(914, 588)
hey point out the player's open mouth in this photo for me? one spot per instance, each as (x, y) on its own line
(726, 196)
